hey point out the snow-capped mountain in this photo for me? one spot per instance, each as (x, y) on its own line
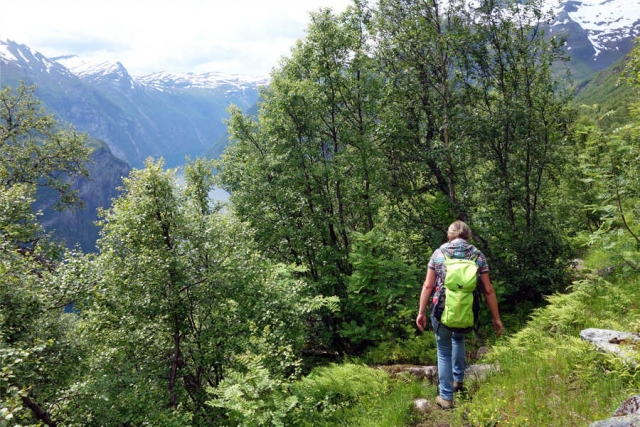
(163, 81)
(22, 56)
(599, 32)
(174, 115)
(211, 80)
(95, 71)
(161, 115)
(606, 22)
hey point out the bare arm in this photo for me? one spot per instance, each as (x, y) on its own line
(492, 302)
(427, 289)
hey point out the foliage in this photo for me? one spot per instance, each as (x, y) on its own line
(345, 395)
(606, 156)
(545, 368)
(404, 117)
(631, 73)
(523, 148)
(419, 350)
(385, 124)
(605, 174)
(354, 395)
(39, 354)
(253, 397)
(306, 174)
(381, 293)
(522, 279)
(180, 292)
(36, 149)
(608, 93)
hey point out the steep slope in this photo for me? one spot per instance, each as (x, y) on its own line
(611, 95)
(165, 114)
(160, 115)
(78, 226)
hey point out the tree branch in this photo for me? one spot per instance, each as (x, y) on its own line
(38, 412)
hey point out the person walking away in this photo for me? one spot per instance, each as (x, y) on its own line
(450, 344)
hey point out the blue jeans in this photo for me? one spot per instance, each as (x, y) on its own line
(451, 358)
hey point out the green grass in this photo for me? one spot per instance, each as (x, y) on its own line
(552, 382)
(548, 375)
(356, 395)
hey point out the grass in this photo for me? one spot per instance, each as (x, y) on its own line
(356, 395)
(548, 375)
(552, 382)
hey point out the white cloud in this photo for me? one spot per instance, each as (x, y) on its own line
(234, 36)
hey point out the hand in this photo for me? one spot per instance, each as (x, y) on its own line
(421, 322)
(497, 325)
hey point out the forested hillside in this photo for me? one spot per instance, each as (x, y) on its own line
(384, 125)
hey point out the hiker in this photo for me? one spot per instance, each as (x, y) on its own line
(451, 345)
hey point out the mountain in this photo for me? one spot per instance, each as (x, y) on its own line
(611, 94)
(97, 191)
(598, 32)
(161, 115)
(177, 115)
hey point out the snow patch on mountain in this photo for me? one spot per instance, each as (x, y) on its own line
(6, 54)
(606, 21)
(211, 80)
(83, 68)
(97, 71)
(610, 14)
(22, 55)
(161, 81)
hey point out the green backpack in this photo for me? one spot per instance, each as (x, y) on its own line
(456, 304)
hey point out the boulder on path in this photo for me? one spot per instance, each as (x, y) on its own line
(631, 406)
(422, 372)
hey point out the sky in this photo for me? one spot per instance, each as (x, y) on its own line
(232, 36)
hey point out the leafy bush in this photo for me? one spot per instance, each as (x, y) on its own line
(344, 395)
(418, 350)
(382, 294)
(253, 396)
(354, 395)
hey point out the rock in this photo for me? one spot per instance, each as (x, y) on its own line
(482, 351)
(429, 373)
(631, 406)
(606, 271)
(627, 421)
(619, 343)
(480, 371)
(577, 264)
(627, 415)
(422, 405)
